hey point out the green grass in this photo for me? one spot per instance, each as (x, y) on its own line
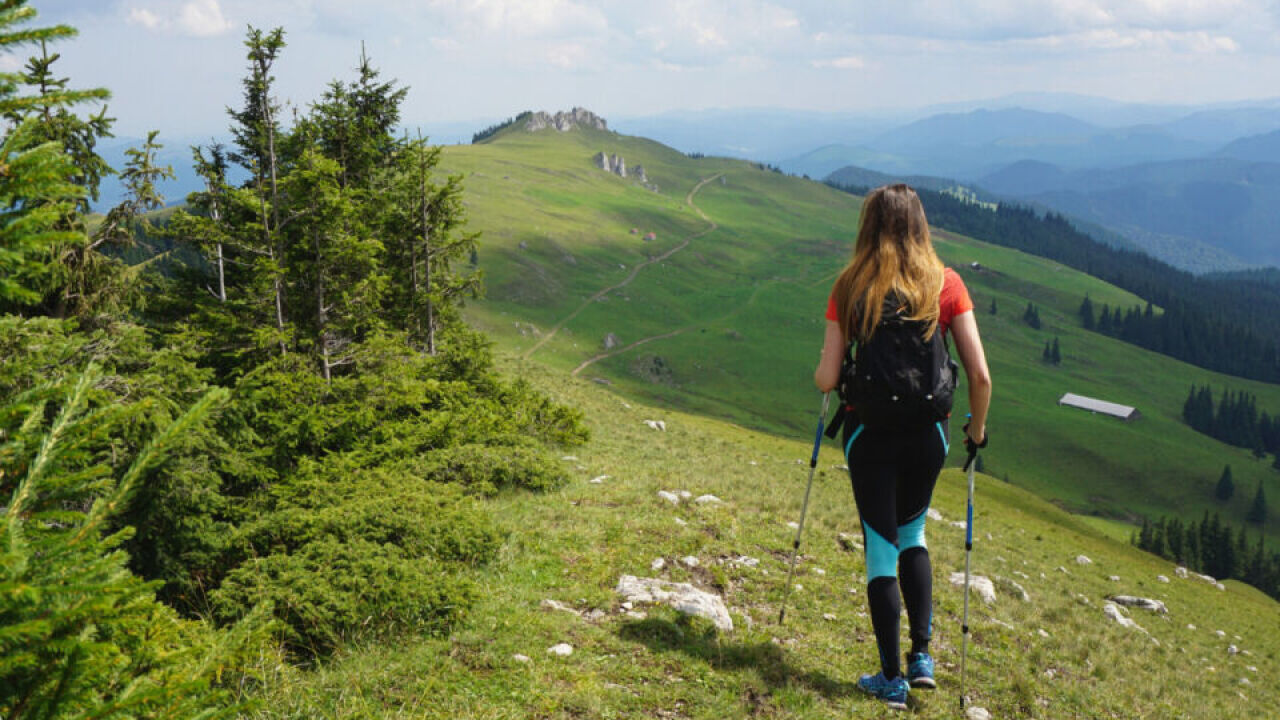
(572, 545)
(738, 317)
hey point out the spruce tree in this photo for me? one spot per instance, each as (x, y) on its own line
(1056, 355)
(993, 306)
(1258, 511)
(1226, 487)
(1046, 355)
(1086, 314)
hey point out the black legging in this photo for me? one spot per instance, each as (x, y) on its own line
(893, 473)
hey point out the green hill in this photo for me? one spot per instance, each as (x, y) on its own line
(1054, 656)
(720, 314)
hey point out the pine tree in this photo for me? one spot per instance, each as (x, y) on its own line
(1046, 355)
(1056, 355)
(1226, 487)
(993, 306)
(1086, 314)
(1258, 511)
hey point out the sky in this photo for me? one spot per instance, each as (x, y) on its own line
(175, 65)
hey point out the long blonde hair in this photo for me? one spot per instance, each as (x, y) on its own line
(893, 252)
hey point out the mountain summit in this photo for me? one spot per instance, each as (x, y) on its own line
(565, 121)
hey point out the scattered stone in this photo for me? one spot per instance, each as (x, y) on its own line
(599, 479)
(681, 522)
(819, 571)
(848, 543)
(1022, 575)
(521, 658)
(1252, 668)
(554, 605)
(799, 587)
(1162, 578)
(683, 597)
(977, 583)
(657, 564)
(793, 525)
(595, 614)
(1180, 571)
(1013, 588)
(1083, 560)
(689, 561)
(1112, 611)
(562, 649)
(1042, 633)
(570, 458)
(1063, 570)
(637, 614)
(745, 561)
(1233, 650)
(1245, 681)
(1190, 626)
(685, 494)
(1115, 578)
(1050, 674)
(829, 617)
(669, 497)
(1139, 602)
(656, 425)
(977, 713)
(601, 381)
(934, 515)
(959, 523)
(707, 499)
(628, 605)
(1219, 633)
(1220, 586)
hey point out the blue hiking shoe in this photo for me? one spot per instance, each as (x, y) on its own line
(892, 692)
(920, 671)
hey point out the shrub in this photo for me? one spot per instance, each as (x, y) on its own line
(486, 469)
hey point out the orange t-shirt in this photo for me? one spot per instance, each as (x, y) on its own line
(954, 300)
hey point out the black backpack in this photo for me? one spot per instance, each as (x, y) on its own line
(898, 378)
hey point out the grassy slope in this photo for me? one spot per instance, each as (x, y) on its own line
(744, 302)
(572, 545)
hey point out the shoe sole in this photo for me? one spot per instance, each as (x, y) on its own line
(924, 682)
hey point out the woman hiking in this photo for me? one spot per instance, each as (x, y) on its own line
(895, 445)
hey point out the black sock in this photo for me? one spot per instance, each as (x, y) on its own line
(916, 573)
(886, 606)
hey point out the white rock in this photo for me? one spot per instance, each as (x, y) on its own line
(521, 658)
(555, 605)
(819, 571)
(1083, 560)
(628, 605)
(1233, 650)
(1252, 668)
(598, 479)
(977, 713)
(1013, 588)
(594, 614)
(1140, 602)
(798, 586)
(669, 497)
(705, 499)
(570, 458)
(1050, 673)
(1063, 570)
(1114, 578)
(681, 522)
(793, 525)
(829, 617)
(1162, 578)
(562, 649)
(685, 494)
(637, 614)
(1180, 571)
(977, 583)
(934, 515)
(657, 564)
(1219, 633)
(745, 561)
(1220, 586)
(1190, 626)
(753, 462)
(1245, 681)
(1042, 633)
(958, 523)
(1112, 611)
(656, 425)
(689, 560)
(683, 597)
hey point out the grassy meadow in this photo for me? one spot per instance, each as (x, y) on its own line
(730, 325)
(1054, 656)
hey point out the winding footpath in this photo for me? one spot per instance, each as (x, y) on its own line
(634, 272)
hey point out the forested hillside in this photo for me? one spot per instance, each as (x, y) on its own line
(265, 442)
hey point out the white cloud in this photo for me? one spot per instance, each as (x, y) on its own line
(1196, 42)
(145, 18)
(198, 18)
(10, 63)
(848, 62)
(202, 18)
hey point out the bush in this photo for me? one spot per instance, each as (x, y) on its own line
(485, 469)
(331, 591)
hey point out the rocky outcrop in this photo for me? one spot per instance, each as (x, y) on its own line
(565, 121)
(683, 597)
(639, 174)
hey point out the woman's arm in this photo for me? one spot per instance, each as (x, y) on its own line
(828, 372)
(964, 330)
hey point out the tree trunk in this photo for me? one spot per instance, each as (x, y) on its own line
(222, 277)
(426, 264)
(322, 318)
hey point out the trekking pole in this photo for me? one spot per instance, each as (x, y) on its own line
(968, 548)
(804, 508)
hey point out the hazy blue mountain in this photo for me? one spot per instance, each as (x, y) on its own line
(1171, 208)
(981, 127)
(853, 176)
(1221, 126)
(1256, 148)
(820, 163)
(764, 135)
